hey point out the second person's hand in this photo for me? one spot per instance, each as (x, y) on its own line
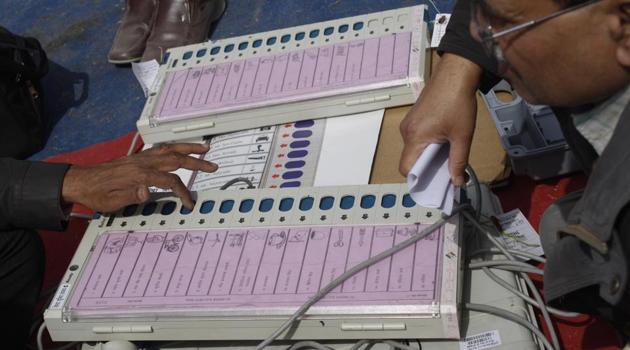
(445, 112)
(110, 186)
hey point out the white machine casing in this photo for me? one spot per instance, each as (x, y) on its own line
(331, 101)
(437, 319)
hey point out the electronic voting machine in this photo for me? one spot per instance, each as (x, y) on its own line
(320, 70)
(241, 262)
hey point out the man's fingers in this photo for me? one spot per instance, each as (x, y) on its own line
(174, 161)
(183, 148)
(118, 199)
(182, 192)
(142, 194)
(457, 160)
(410, 155)
(171, 182)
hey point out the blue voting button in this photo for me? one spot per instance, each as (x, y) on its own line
(297, 154)
(304, 124)
(168, 208)
(286, 204)
(306, 203)
(388, 201)
(246, 206)
(368, 201)
(290, 175)
(346, 202)
(226, 206)
(266, 205)
(300, 134)
(295, 164)
(326, 203)
(300, 144)
(408, 202)
(206, 207)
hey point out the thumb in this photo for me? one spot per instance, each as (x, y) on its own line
(409, 156)
(457, 160)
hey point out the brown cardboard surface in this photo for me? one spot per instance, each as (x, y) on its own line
(389, 148)
(487, 155)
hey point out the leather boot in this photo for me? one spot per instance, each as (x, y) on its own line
(180, 23)
(133, 31)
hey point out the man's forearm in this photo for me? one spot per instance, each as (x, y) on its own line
(457, 73)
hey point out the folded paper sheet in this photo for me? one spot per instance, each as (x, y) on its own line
(429, 180)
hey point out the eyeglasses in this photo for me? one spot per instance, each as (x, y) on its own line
(489, 37)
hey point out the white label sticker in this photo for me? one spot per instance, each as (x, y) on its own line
(146, 73)
(439, 28)
(60, 296)
(518, 234)
(481, 341)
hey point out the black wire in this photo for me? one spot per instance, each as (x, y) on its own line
(475, 181)
(237, 180)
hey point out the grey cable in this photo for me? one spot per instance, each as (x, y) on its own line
(40, 343)
(512, 317)
(497, 244)
(359, 344)
(516, 269)
(395, 344)
(399, 345)
(40, 332)
(526, 297)
(309, 343)
(475, 181)
(514, 252)
(504, 263)
(528, 281)
(349, 273)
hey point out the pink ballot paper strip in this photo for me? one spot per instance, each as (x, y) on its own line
(255, 269)
(320, 71)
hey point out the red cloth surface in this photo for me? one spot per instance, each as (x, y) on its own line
(532, 198)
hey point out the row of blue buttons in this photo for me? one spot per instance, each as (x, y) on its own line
(272, 40)
(325, 203)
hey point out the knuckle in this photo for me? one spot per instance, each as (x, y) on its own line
(143, 177)
(459, 163)
(170, 157)
(163, 148)
(173, 180)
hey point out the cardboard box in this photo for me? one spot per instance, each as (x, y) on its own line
(487, 155)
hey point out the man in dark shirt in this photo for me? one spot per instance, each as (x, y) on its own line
(575, 56)
(37, 195)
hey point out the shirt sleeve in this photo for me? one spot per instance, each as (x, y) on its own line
(30, 195)
(458, 41)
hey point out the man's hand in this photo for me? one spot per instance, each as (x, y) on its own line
(445, 112)
(110, 186)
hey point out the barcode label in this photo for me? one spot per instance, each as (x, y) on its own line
(481, 341)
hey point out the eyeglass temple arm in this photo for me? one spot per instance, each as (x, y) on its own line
(541, 19)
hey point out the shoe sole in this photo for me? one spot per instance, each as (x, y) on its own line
(127, 61)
